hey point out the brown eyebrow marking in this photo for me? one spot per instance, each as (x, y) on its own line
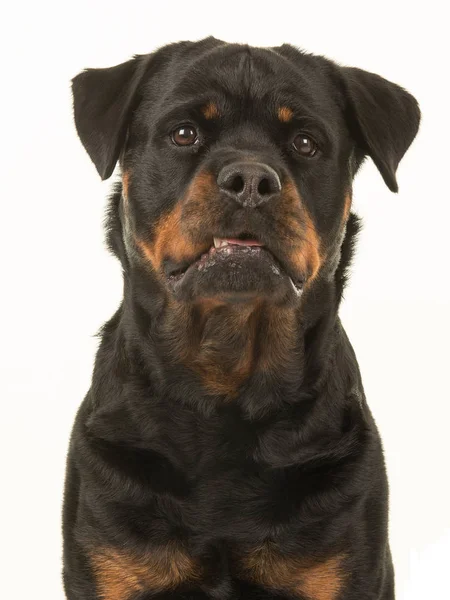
(210, 111)
(285, 114)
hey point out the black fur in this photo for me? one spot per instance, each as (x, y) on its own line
(292, 461)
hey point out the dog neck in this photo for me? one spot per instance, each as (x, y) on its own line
(256, 354)
(212, 351)
(227, 345)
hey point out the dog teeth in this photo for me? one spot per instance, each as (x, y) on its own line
(220, 243)
(296, 289)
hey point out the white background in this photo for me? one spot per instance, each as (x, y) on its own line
(59, 284)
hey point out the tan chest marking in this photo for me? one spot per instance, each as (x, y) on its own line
(316, 580)
(119, 574)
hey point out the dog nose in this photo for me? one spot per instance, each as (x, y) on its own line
(248, 183)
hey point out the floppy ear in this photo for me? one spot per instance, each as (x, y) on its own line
(103, 100)
(384, 119)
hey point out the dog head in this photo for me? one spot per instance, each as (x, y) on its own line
(237, 162)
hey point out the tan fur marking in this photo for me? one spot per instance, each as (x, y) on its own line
(277, 339)
(119, 575)
(285, 114)
(217, 377)
(225, 362)
(201, 187)
(210, 111)
(221, 342)
(323, 581)
(317, 581)
(169, 240)
(306, 255)
(347, 206)
(253, 336)
(125, 184)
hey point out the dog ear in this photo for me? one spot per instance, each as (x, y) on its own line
(383, 119)
(103, 100)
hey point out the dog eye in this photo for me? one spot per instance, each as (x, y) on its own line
(186, 135)
(304, 145)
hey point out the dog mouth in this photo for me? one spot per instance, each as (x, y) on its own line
(235, 250)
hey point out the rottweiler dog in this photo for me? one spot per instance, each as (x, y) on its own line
(225, 449)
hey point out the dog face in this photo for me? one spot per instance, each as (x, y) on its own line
(237, 162)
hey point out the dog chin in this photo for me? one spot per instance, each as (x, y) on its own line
(235, 277)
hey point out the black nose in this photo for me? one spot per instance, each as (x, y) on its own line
(249, 183)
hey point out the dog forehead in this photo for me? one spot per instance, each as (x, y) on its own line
(240, 73)
(251, 72)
